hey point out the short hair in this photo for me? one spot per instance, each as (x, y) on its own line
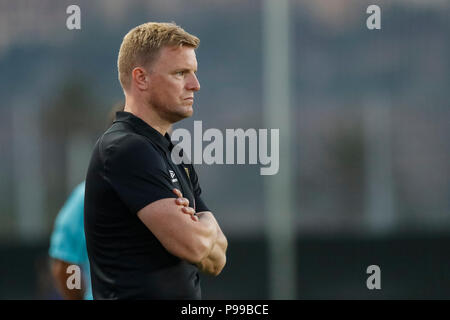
(141, 45)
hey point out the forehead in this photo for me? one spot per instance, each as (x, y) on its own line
(175, 57)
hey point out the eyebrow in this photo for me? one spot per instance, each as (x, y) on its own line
(184, 69)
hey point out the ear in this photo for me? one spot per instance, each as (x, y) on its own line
(140, 78)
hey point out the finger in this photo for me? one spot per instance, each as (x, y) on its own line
(188, 210)
(182, 202)
(191, 212)
(177, 193)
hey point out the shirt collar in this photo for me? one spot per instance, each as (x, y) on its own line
(144, 129)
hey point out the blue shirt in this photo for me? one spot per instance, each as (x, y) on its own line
(68, 242)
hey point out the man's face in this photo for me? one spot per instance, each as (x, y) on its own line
(173, 83)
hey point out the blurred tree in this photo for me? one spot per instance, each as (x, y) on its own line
(345, 154)
(73, 111)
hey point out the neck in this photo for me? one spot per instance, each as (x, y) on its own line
(147, 114)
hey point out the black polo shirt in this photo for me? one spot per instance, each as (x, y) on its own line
(130, 168)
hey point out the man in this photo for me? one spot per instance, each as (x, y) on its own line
(148, 231)
(68, 243)
(68, 247)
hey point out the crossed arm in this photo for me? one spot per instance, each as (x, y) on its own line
(216, 259)
(194, 237)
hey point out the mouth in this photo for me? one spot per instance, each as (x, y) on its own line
(189, 101)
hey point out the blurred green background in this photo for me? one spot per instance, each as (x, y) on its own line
(368, 139)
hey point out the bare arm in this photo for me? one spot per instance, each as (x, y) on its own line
(189, 238)
(60, 275)
(214, 263)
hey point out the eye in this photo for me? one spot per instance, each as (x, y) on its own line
(180, 73)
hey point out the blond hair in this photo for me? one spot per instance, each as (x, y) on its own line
(141, 45)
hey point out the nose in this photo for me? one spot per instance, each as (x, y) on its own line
(192, 84)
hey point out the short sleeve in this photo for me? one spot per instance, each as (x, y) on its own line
(136, 171)
(200, 205)
(67, 242)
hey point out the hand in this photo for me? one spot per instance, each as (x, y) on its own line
(185, 203)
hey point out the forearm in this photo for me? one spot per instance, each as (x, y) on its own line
(214, 263)
(186, 238)
(210, 238)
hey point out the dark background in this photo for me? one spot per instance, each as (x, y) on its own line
(370, 125)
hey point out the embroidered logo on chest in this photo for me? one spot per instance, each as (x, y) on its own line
(173, 176)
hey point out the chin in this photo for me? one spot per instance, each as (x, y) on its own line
(178, 116)
(188, 111)
(187, 115)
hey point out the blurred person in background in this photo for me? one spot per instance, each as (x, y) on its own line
(148, 231)
(68, 242)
